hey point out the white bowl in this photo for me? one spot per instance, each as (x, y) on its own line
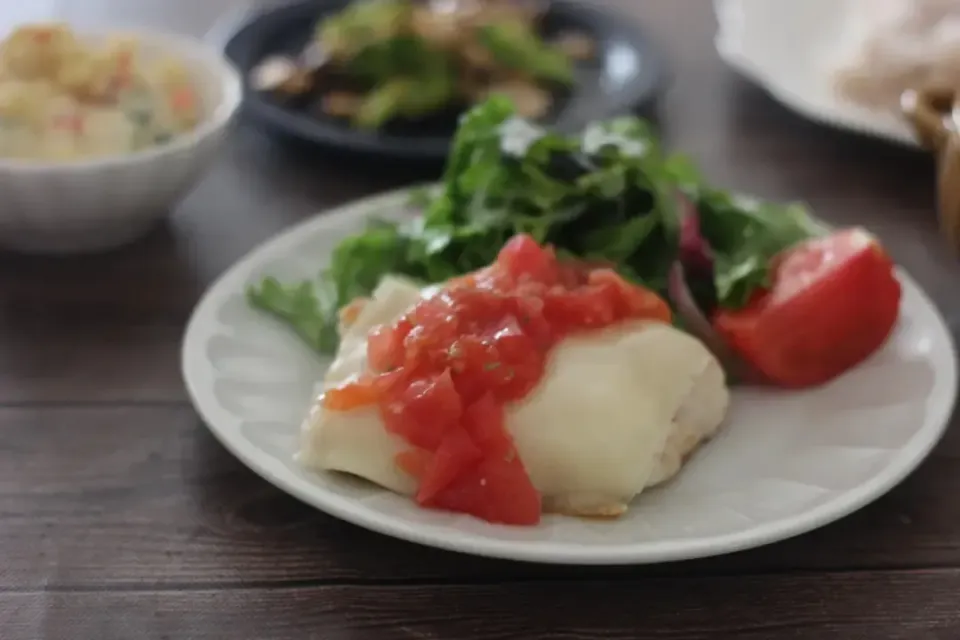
(101, 203)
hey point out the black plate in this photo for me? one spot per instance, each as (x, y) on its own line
(624, 77)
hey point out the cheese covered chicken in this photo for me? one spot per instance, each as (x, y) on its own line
(530, 386)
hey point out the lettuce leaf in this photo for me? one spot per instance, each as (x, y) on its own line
(609, 194)
(745, 234)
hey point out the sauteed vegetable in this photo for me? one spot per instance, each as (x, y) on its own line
(381, 60)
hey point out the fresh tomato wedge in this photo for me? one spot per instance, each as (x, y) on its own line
(833, 302)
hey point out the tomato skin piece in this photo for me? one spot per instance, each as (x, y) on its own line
(519, 365)
(834, 301)
(455, 454)
(591, 309)
(350, 396)
(384, 348)
(522, 256)
(497, 490)
(413, 462)
(485, 421)
(423, 412)
(635, 302)
(529, 313)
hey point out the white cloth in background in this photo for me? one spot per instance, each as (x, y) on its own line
(894, 45)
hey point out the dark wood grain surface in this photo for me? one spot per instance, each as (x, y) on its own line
(122, 518)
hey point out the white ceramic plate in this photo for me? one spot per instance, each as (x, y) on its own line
(786, 462)
(787, 47)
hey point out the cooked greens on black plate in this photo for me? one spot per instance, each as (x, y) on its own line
(610, 195)
(381, 60)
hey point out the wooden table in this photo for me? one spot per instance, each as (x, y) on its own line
(122, 518)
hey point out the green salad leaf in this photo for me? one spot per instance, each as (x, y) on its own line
(745, 234)
(610, 195)
(302, 307)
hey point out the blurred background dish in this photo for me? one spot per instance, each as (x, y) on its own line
(794, 51)
(64, 196)
(65, 98)
(898, 45)
(589, 63)
(934, 115)
(380, 61)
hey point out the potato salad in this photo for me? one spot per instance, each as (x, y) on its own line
(64, 98)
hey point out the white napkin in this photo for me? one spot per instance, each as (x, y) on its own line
(893, 45)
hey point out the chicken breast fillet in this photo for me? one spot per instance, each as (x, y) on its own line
(617, 411)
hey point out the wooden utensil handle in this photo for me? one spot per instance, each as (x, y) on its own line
(935, 117)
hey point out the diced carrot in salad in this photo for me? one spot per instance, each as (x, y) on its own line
(72, 122)
(183, 101)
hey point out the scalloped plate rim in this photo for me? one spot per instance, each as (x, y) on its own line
(196, 368)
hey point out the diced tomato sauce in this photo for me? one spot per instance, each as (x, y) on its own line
(442, 374)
